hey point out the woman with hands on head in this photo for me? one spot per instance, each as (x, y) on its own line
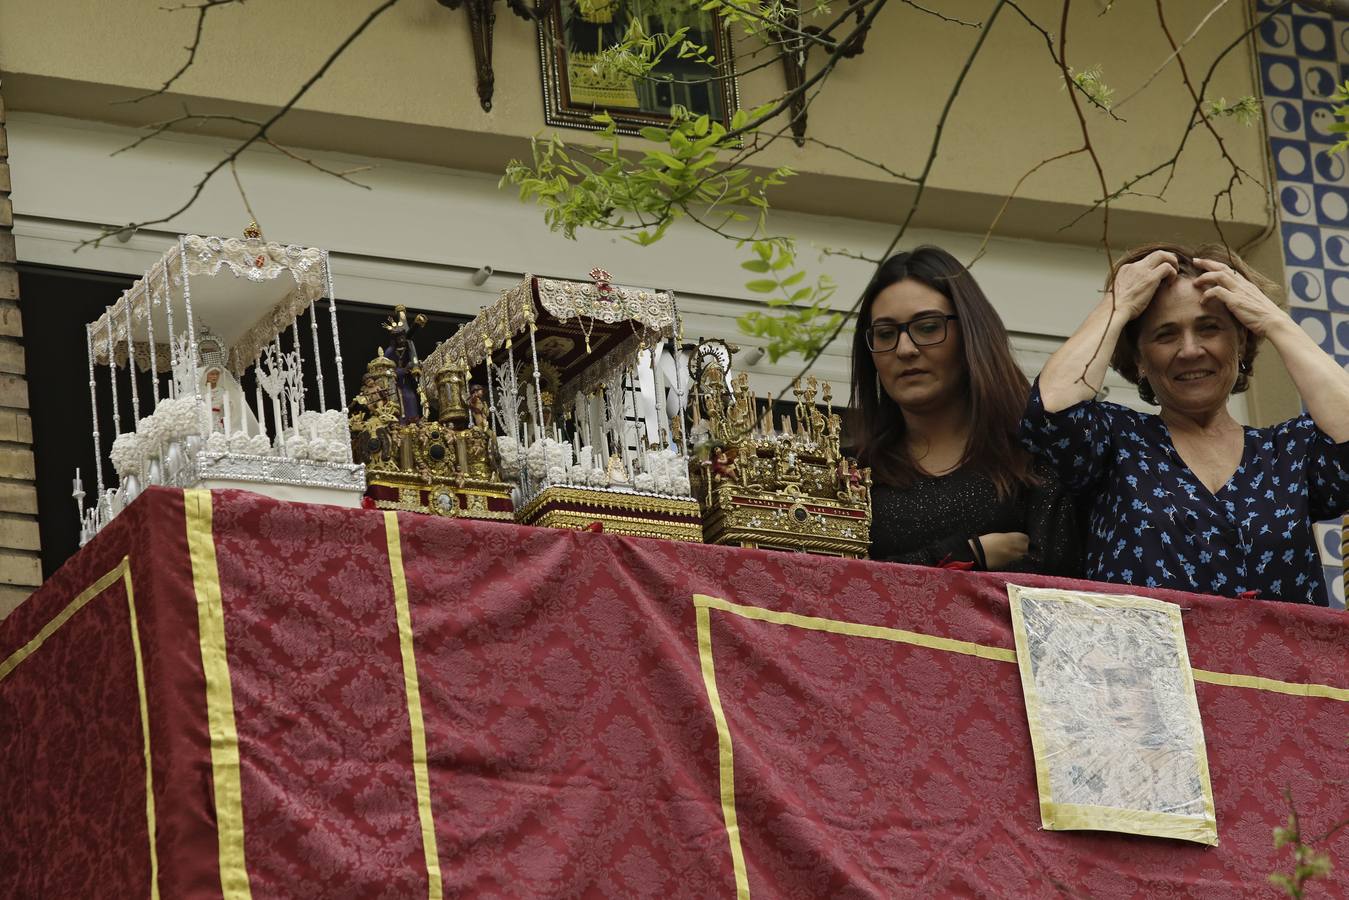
(937, 397)
(1189, 498)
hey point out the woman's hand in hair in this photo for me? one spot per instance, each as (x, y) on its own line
(1137, 283)
(1003, 548)
(1247, 303)
(1076, 371)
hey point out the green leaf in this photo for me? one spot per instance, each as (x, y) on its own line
(802, 294)
(791, 280)
(755, 265)
(669, 160)
(762, 285)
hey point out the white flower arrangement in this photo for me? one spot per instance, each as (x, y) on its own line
(176, 418)
(127, 453)
(258, 445)
(151, 431)
(644, 481)
(509, 451)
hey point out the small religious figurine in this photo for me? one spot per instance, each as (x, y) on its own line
(373, 414)
(722, 465)
(477, 406)
(617, 474)
(220, 390)
(407, 366)
(859, 482)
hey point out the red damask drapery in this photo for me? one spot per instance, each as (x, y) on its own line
(223, 695)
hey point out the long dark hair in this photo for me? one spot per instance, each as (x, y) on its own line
(996, 388)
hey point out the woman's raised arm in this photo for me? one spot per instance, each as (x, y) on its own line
(1322, 382)
(1062, 383)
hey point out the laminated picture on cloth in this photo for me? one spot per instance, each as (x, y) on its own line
(1114, 722)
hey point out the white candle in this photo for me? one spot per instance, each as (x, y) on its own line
(280, 432)
(225, 411)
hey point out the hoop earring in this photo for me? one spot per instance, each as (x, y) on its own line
(1145, 392)
(1244, 367)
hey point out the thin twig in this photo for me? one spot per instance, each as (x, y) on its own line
(1174, 159)
(983, 245)
(243, 195)
(862, 159)
(918, 195)
(202, 9)
(1053, 54)
(1237, 170)
(188, 117)
(261, 133)
(1174, 54)
(942, 16)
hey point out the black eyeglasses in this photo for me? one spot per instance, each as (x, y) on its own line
(924, 331)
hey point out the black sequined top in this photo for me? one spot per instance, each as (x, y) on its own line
(931, 522)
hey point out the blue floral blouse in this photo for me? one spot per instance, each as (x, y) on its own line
(1153, 523)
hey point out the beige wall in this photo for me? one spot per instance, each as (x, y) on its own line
(405, 90)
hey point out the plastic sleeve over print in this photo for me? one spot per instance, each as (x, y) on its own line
(1114, 722)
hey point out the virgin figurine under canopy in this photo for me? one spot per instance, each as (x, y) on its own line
(220, 390)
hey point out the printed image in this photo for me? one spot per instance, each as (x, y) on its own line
(1112, 710)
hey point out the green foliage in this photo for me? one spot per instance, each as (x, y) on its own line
(801, 320)
(1308, 862)
(689, 171)
(1097, 91)
(1341, 112)
(637, 55)
(1245, 111)
(604, 188)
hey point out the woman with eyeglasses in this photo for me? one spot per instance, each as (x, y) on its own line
(1189, 498)
(937, 398)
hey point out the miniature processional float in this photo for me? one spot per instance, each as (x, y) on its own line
(585, 400)
(209, 312)
(446, 464)
(780, 486)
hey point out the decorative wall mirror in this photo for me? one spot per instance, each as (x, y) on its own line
(573, 32)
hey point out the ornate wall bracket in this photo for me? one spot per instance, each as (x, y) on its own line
(796, 43)
(482, 18)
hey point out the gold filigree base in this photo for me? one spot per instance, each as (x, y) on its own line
(442, 497)
(744, 517)
(618, 512)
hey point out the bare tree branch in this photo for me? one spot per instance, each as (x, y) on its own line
(202, 9)
(918, 196)
(1170, 163)
(944, 17)
(1175, 53)
(243, 195)
(1237, 170)
(260, 135)
(983, 245)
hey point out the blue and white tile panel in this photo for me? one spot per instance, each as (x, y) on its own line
(1303, 55)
